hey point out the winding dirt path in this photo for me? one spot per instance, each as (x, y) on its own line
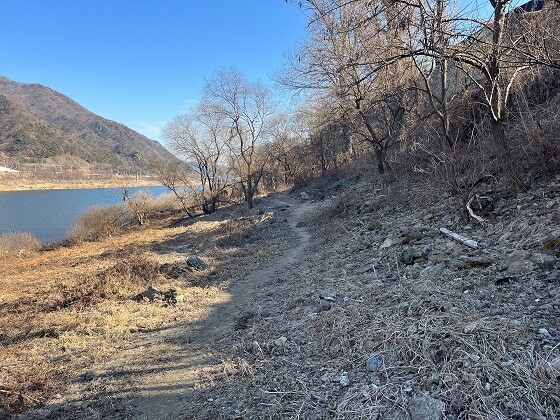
(157, 376)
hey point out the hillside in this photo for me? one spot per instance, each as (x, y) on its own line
(336, 301)
(38, 122)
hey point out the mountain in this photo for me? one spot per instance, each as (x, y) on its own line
(37, 122)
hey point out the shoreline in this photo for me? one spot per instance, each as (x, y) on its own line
(14, 186)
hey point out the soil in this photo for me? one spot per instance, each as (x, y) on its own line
(347, 303)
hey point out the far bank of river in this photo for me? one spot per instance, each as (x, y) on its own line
(49, 214)
(11, 183)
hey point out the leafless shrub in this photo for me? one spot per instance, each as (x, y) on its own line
(97, 223)
(18, 243)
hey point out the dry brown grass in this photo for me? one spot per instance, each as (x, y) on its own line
(65, 309)
(19, 244)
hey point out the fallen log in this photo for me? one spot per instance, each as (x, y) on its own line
(460, 238)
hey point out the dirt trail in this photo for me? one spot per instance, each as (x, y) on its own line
(157, 376)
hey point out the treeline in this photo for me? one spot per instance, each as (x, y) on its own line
(463, 93)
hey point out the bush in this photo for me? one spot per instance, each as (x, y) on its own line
(97, 223)
(18, 243)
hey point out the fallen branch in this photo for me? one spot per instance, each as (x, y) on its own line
(459, 238)
(471, 212)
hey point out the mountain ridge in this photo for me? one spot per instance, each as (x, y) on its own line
(70, 129)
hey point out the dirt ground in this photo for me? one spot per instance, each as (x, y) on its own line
(341, 302)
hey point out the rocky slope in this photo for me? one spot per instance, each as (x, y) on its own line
(38, 122)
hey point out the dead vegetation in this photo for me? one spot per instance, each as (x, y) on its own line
(65, 309)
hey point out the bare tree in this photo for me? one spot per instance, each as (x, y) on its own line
(351, 58)
(245, 110)
(200, 137)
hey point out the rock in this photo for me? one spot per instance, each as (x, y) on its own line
(426, 408)
(304, 196)
(553, 277)
(153, 293)
(280, 342)
(364, 269)
(88, 376)
(374, 362)
(517, 255)
(433, 271)
(197, 263)
(374, 225)
(544, 332)
(344, 380)
(391, 241)
(544, 261)
(521, 267)
(420, 289)
(464, 262)
(412, 235)
(411, 253)
(282, 205)
(471, 327)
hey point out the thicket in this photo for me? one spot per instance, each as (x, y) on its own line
(137, 210)
(417, 88)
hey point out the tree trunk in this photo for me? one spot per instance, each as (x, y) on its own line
(250, 192)
(505, 159)
(380, 160)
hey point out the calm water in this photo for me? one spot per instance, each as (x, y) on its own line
(49, 214)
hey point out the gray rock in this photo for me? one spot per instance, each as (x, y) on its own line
(553, 277)
(464, 262)
(521, 267)
(411, 253)
(197, 263)
(374, 225)
(433, 271)
(304, 196)
(374, 362)
(282, 205)
(426, 408)
(280, 342)
(344, 380)
(420, 289)
(391, 241)
(365, 269)
(153, 293)
(517, 255)
(544, 261)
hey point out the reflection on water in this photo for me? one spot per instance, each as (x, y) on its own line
(48, 214)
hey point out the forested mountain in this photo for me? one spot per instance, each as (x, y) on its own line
(38, 122)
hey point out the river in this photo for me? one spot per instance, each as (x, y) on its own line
(48, 214)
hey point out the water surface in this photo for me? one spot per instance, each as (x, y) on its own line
(48, 214)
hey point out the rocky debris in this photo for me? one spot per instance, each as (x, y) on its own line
(426, 408)
(154, 294)
(197, 263)
(280, 341)
(304, 196)
(373, 363)
(344, 380)
(411, 253)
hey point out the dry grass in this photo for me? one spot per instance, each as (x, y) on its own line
(18, 244)
(63, 310)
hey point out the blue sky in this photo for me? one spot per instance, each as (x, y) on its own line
(141, 62)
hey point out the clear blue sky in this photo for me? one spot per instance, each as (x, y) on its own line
(141, 62)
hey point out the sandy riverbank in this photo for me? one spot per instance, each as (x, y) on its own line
(22, 184)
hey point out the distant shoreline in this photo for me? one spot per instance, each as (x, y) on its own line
(11, 185)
